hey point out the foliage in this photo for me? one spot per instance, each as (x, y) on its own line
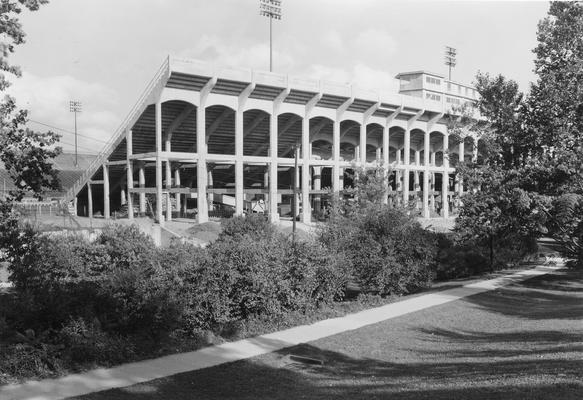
(385, 250)
(25, 154)
(255, 225)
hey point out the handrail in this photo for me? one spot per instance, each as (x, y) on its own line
(108, 148)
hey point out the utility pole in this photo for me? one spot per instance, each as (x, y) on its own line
(450, 58)
(270, 9)
(75, 107)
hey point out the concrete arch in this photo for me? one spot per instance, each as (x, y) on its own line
(256, 127)
(289, 133)
(172, 94)
(321, 127)
(256, 104)
(220, 129)
(322, 148)
(216, 99)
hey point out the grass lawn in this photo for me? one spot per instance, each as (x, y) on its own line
(520, 342)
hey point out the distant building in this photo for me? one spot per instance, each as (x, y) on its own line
(435, 87)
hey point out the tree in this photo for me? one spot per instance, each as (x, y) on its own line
(26, 154)
(532, 180)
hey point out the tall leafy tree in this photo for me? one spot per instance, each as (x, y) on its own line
(26, 154)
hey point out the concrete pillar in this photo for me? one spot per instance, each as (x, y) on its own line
(357, 153)
(142, 184)
(271, 174)
(130, 172)
(106, 210)
(159, 197)
(239, 199)
(122, 199)
(336, 171)
(363, 144)
(210, 184)
(461, 158)
(306, 216)
(317, 182)
(201, 167)
(90, 201)
(398, 155)
(426, 174)
(445, 180)
(386, 161)
(298, 198)
(406, 162)
(168, 187)
(433, 159)
(178, 196)
(432, 196)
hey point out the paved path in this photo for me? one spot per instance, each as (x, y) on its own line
(130, 374)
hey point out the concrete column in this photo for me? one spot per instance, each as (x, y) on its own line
(386, 161)
(122, 197)
(432, 197)
(299, 194)
(362, 144)
(178, 195)
(106, 211)
(271, 175)
(433, 159)
(142, 184)
(130, 173)
(417, 158)
(90, 201)
(210, 184)
(357, 153)
(159, 197)
(336, 172)
(306, 216)
(445, 180)
(168, 187)
(201, 167)
(317, 182)
(461, 151)
(239, 199)
(461, 159)
(426, 175)
(406, 162)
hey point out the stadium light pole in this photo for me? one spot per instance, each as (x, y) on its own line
(270, 9)
(450, 58)
(75, 107)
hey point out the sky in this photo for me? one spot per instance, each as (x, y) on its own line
(104, 52)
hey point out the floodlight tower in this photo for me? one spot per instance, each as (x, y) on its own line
(75, 107)
(450, 58)
(270, 9)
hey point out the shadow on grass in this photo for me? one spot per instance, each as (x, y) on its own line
(538, 297)
(345, 377)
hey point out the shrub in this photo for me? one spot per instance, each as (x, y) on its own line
(255, 225)
(387, 251)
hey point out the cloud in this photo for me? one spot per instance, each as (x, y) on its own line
(212, 49)
(47, 99)
(359, 75)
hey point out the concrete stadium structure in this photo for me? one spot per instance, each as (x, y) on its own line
(203, 138)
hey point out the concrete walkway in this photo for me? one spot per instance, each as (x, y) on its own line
(130, 374)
